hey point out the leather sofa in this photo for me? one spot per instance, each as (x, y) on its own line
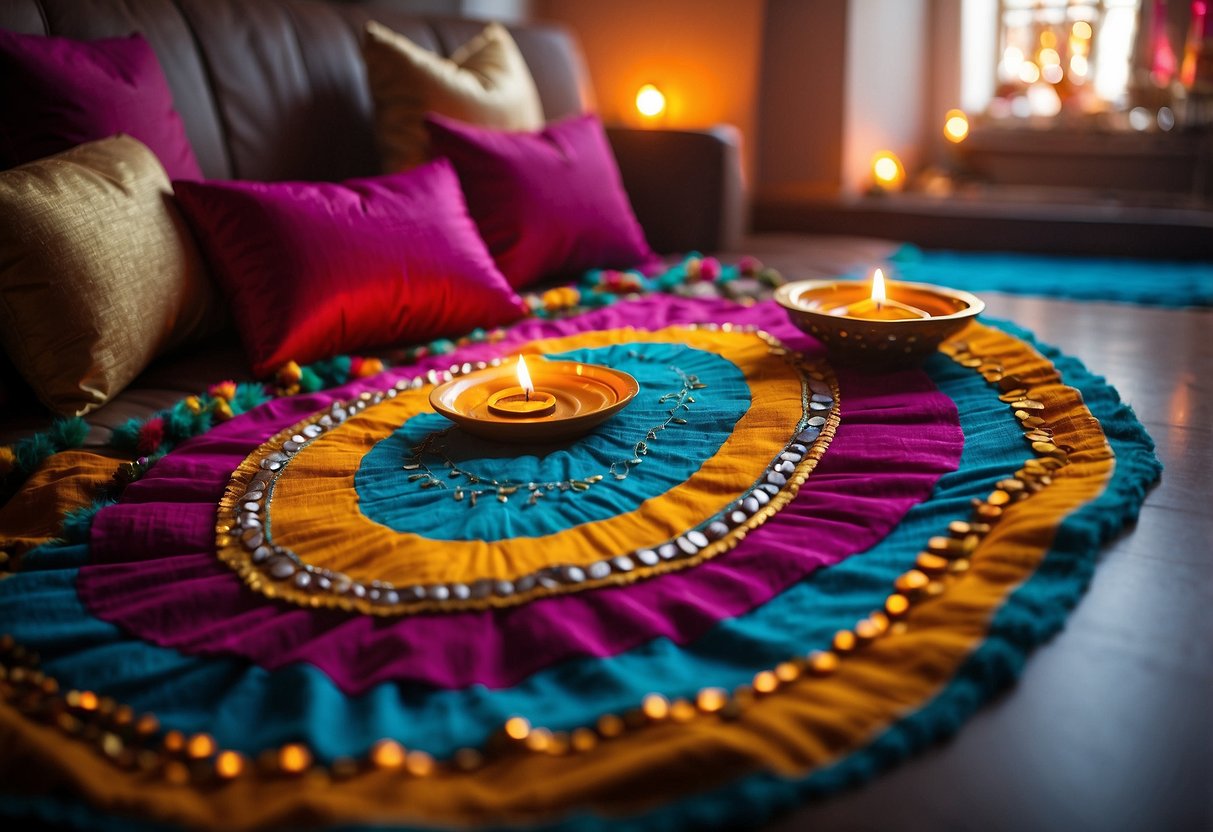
(276, 90)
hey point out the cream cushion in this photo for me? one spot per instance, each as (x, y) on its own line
(486, 82)
(98, 273)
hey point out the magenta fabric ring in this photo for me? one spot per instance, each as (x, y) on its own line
(153, 570)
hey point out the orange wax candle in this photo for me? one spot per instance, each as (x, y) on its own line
(523, 400)
(870, 310)
(879, 307)
(518, 401)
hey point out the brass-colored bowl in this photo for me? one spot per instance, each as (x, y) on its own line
(586, 396)
(812, 305)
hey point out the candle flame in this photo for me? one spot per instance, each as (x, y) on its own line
(524, 378)
(878, 293)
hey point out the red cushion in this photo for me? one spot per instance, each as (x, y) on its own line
(312, 269)
(56, 93)
(547, 203)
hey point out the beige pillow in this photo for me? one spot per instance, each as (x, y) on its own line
(98, 273)
(486, 82)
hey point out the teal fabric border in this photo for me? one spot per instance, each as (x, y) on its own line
(1146, 282)
(388, 495)
(1032, 614)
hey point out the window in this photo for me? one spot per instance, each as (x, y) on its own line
(1063, 54)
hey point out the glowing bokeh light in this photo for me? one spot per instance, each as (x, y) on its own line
(1029, 73)
(650, 101)
(955, 126)
(887, 170)
(1043, 100)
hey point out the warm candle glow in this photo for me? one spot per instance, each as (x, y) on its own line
(879, 307)
(887, 171)
(524, 377)
(955, 126)
(650, 101)
(878, 293)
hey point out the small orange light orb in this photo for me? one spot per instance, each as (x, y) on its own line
(955, 126)
(229, 764)
(539, 739)
(765, 681)
(610, 725)
(583, 739)
(656, 707)
(887, 171)
(650, 101)
(200, 746)
(294, 758)
(711, 700)
(419, 763)
(517, 728)
(387, 753)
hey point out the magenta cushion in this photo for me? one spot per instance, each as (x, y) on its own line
(314, 269)
(546, 203)
(56, 93)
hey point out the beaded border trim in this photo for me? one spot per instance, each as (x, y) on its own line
(474, 486)
(244, 543)
(136, 743)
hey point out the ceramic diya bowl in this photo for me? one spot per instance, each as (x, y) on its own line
(827, 310)
(585, 395)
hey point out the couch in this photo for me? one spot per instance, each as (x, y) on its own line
(276, 90)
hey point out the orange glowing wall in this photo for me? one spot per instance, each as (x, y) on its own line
(703, 54)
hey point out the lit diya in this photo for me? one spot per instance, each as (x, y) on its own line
(898, 323)
(547, 401)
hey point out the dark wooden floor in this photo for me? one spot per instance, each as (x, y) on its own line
(1111, 725)
(1046, 220)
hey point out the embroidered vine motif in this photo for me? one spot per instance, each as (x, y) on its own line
(471, 485)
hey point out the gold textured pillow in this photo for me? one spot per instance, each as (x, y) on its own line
(485, 82)
(98, 273)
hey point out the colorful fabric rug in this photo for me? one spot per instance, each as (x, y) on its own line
(1146, 282)
(767, 578)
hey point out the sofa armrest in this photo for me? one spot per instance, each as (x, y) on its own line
(685, 185)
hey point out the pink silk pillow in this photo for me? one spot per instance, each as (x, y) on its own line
(546, 203)
(314, 269)
(56, 93)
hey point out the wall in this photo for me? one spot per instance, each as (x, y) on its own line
(886, 89)
(704, 54)
(801, 102)
(507, 11)
(504, 10)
